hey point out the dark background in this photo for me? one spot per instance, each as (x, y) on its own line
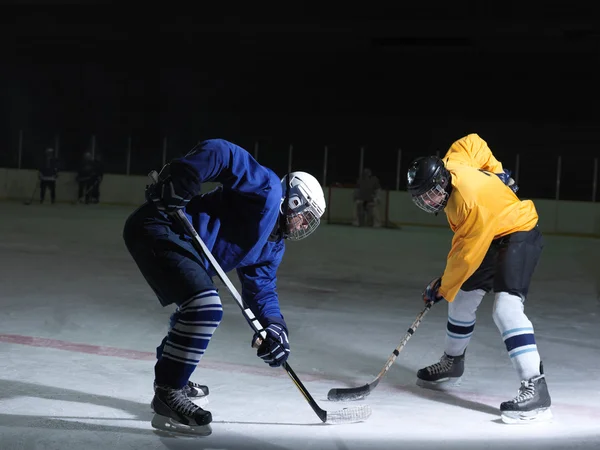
(414, 77)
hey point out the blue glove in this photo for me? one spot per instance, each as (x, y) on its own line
(431, 292)
(177, 184)
(275, 349)
(507, 180)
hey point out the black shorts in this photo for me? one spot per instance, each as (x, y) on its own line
(167, 259)
(508, 264)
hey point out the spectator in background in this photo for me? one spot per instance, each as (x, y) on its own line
(89, 176)
(48, 173)
(98, 174)
(366, 200)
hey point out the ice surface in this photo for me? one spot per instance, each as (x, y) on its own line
(79, 326)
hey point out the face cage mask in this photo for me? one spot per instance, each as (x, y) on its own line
(302, 224)
(432, 201)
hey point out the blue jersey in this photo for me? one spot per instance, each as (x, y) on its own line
(237, 220)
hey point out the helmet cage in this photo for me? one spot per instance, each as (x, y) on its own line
(302, 215)
(433, 200)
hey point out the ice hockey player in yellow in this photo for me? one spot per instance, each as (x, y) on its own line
(495, 247)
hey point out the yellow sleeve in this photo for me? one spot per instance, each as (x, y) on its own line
(473, 151)
(469, 245)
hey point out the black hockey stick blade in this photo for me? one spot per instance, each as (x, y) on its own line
(355, 393)
(358, 393)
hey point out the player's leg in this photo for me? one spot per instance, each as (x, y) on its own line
(460, 327)
(88, 191)
(517, 260)
(96, 191)
(374, 213)
(358, 212)
(52, 187)
(43, 186)
(192, 389)
(177, 274)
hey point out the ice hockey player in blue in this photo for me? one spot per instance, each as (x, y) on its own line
(244, 222)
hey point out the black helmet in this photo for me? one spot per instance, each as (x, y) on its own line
(429, 183)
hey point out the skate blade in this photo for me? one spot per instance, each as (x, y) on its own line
(167, 424)
(524, 417)
(439, 385)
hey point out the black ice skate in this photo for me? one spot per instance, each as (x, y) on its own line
(532, 403)
(443, 374)
(193, 390)
(175, 412)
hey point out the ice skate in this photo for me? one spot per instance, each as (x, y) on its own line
(442, 375)
(198, 393)
(193, 390)
(532, 403)
(175, 412)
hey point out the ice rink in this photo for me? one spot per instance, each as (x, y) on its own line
(79, 326)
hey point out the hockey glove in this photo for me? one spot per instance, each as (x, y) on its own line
(177, 184)
(275, 349)
(431, 292)
(507, 180)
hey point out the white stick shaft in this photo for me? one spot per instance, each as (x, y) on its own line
(256, 325)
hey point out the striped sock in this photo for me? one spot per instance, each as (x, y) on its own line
(517, 333)
(192, 328)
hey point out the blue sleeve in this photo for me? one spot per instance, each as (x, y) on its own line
(221, 161)
(259, 291)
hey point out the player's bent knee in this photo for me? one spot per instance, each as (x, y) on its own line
(465, 304)
(507, 308)
(205, 306)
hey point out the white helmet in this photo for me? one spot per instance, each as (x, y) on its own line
(305, 204)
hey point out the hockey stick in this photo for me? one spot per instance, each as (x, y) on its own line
(358, 393)
(346, 415)
(30, 201)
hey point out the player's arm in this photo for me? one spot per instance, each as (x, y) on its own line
(259, 291)
(215, 160)
(224, 162)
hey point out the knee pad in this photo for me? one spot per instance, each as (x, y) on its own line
(204, 307)
(508, 312)
(465, 305)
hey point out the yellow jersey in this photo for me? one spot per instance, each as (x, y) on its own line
(481, 208)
